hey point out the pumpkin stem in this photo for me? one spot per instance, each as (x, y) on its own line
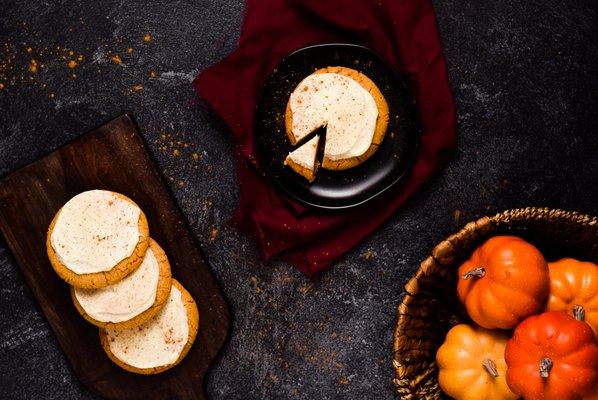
(490, 367)
(579, 313)
(478, 272)
(545, 367)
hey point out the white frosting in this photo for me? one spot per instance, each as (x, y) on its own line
(343, 106)
(156, 343)
(94, 231)
(126, 299)
(305, 155)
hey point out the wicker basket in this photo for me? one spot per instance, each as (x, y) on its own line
(430, 307)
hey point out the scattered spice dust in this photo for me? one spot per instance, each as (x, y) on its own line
(22, 63)
(168, 144)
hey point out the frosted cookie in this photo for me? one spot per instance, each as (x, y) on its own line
(351, 108)
(131, 301)
(160, 343)
(303, 159)
(97, 238)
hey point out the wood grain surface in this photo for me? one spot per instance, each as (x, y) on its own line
(112, 157)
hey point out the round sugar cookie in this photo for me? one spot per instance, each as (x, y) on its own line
(97, 238)
(381, 120)
(160, 343)
(131, 301)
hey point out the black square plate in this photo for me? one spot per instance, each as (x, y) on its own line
(337, 189)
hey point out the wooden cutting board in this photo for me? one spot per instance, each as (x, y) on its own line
(112, 157)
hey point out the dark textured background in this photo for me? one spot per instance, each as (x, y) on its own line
(524, 76)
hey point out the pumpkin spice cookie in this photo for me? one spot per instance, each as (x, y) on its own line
(97, 238)
(160, 343)
(303, 159)
(131, 301)
(349, 105)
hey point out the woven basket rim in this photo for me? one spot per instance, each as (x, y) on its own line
(494, 221)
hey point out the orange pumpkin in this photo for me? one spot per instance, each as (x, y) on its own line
(552, 356)
(574, 289)
(504, 281)
(472, 364)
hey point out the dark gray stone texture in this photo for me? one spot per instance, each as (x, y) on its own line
(524, 77)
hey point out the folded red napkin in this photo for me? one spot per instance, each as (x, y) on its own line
(403, 31)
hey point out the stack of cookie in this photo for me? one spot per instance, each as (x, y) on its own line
(121, 281)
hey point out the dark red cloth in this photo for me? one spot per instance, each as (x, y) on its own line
(403, 31)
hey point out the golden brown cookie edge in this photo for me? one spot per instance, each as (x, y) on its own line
(301, 170)
(192, 321)
(162, 292)
(98, 280)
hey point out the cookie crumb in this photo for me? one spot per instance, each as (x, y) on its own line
(457, 216)
(368, 255)
(214, 234)
(305, 289)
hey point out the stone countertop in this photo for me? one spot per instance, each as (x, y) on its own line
(524, 78)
